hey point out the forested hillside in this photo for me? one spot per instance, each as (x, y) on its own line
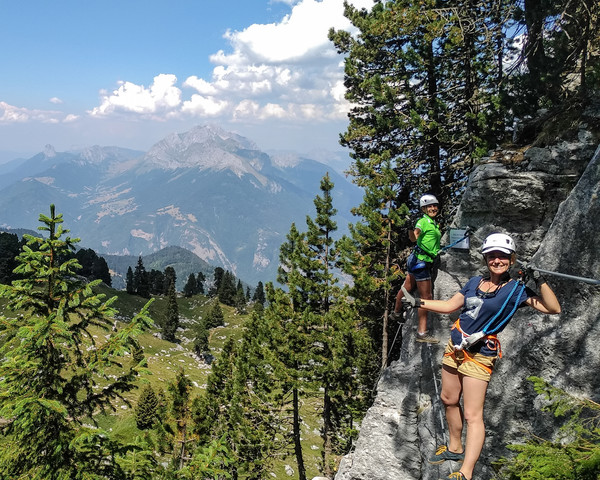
(434, 87)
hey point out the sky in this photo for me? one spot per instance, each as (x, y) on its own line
(127, 73)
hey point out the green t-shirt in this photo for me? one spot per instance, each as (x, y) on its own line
(429, 238)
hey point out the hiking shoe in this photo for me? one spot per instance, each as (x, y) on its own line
(456, 476)
(442, 454)
(426, 338)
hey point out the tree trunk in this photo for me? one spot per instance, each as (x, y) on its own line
(327, 432)
(534, 48)
(297, 434)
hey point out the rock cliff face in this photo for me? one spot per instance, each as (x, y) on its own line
(547, 198)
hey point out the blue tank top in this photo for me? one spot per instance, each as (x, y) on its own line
(479, 308)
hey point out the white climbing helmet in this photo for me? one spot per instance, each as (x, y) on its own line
(500, 242)
(428, 200)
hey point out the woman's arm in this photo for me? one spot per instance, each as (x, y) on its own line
(546, 301)
(444, 306)
(414, 234)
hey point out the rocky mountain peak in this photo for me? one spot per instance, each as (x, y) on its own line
(49, 151)
(207, 148)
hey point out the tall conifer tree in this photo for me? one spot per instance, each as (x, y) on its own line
(171, 322)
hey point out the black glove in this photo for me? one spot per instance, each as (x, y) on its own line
(538, 278)
(396, 316)
(409, 300)
(533, 274)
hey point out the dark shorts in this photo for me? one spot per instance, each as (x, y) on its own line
(423, 274)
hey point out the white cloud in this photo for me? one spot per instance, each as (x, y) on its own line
(71, 118)
(204, 106)
(161, 97)
(286, 70)
(56, 100)
(11, 114)
(300, 35)
(201, 85)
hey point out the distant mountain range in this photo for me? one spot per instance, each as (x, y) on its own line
(208, 191)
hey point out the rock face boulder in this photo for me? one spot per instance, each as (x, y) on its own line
(547, 199)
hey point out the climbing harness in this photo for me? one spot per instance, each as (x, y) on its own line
(413, 263)
(491, 328)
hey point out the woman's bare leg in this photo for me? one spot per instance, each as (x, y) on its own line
(451, 391)
(474, 391)
(424, 289)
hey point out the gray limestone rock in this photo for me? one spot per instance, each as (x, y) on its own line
(550, 205)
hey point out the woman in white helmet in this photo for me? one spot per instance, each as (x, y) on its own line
(488, 303)
(422, 264)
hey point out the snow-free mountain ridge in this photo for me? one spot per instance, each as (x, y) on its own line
(207, 190)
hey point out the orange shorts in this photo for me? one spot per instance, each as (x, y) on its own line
(473, 365)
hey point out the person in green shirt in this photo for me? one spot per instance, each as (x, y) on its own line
(423, 263)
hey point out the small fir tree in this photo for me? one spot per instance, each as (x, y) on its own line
(215, 316)
(52, 366)
(147, 407)
(201, 346)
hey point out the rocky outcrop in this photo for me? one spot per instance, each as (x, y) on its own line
(547, 198)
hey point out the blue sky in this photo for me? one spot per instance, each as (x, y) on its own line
(75, 73)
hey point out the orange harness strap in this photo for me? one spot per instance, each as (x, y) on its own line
(493, 344)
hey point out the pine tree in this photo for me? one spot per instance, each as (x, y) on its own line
(51, 366)
(315, 324)
(217, 280)
(190, 287)
(227, 289)
(201, 344)
(146, 410)
(10, 245)
(215, 316)
(156, 279)
(370, 255)
(423, 77)
(259, 294)
(287, 342)
(171, 322)
(239, 300)
(129, 281)
(170, 276)
(141, 282)
(240, 407)
(181, 401)
(100, 271)
(200, 279)
(140, 462)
